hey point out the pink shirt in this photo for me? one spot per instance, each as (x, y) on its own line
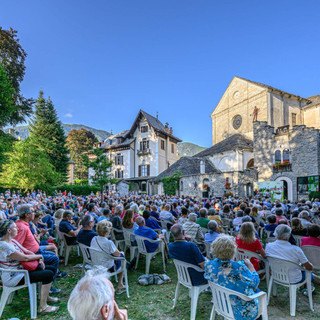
(310, 241)
(25, 237)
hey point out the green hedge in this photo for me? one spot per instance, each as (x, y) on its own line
(78, 190)
(313, 195)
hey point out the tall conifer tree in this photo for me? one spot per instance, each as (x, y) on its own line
(46, 130)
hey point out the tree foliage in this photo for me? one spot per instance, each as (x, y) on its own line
(28, 166)
(6, 143)
(12, 58)
(78, 142)
(46, 131)
(6, 98)
(171, 183)
(101, 169)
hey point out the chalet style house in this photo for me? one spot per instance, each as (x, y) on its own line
(142, 152)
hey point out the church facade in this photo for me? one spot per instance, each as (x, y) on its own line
(245, 100)
(259, 133)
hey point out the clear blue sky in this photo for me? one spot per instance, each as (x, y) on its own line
(101, 61)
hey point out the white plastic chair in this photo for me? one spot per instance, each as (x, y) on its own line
(128, 237)
(313, 255)
(86, 257)
(8, 292)
(97, 257)
(208, 250)
(164, 226)
(242, 254)
(223, 306)
(185, 279)
(143, 250)
(120, 244)
(280, 276)
(298, 239)
(66, 247)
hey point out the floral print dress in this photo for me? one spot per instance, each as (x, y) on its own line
(236, 276)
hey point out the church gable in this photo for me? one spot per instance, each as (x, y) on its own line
(238, 91)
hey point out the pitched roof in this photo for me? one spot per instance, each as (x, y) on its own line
(315, 100)
(153, 122)
(272, 88)
(236, 141)
(188, 166)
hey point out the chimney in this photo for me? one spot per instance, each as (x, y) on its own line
(170, 131)
(157, 115)
(166, 127)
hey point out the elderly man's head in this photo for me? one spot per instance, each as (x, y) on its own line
(213, 226)
(282, 232)
(304, 215)
(192, 217)
(203, 212)
(26, 212)
(140, 221)
(177, 231)
(92, 298)
(167, 207)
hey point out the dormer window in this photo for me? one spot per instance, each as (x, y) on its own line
(144, 129)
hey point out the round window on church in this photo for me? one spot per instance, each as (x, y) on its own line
(236, 121)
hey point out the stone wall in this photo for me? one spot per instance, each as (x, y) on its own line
(304, 151)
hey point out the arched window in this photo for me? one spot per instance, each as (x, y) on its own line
(277, 156)
(285, 155)
(181, 185)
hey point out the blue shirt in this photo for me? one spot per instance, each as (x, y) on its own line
(188, 252)
(66, 226)
(236, 276)
(210, 237)
(102, 218)
(148, 233)
(155, 214)
(85, 236)
(94, 215)
(153, 224)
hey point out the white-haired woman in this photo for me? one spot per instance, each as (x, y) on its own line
(11, 256)
(102, 243)
(246, 240)
(235, 275)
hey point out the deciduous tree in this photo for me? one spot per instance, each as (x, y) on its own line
(78, 142)
(28, 166)
(12, 58)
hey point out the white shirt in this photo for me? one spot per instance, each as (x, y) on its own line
(166, 215)
(10, 279)
(105, 245)
(305, 223)
(285, 250)
(237, 221)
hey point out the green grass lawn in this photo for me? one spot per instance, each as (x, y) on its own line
(155, 302)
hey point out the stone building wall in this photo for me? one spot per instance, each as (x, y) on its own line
(304, 150)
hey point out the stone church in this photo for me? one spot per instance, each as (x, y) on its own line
(259, 133)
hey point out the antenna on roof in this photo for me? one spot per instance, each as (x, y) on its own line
(157, 115)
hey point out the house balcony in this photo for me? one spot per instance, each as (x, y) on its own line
(282, 168)
(143, 152)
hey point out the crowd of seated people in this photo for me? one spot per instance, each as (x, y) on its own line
(89, 221)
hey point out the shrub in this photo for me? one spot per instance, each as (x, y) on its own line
(78, 190)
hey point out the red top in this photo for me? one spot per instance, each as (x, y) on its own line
(253, 247)
(310, 241)
(25, 236)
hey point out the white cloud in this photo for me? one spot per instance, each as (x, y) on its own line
(68, 115)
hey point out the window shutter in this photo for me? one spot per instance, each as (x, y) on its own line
(139, 171)
(148, 170)
(121, 159)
